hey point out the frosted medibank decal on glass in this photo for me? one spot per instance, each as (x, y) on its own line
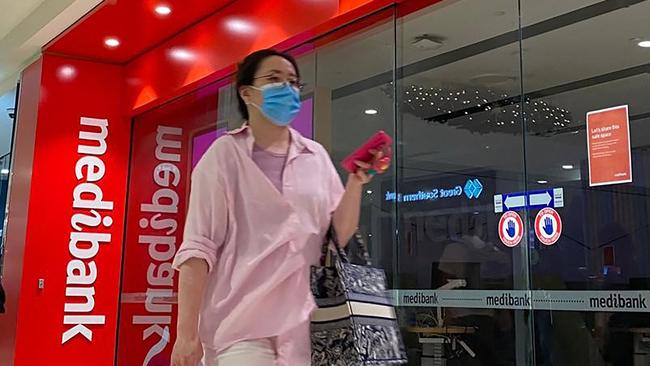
(155, 221)
(608, 146)
(159, 218)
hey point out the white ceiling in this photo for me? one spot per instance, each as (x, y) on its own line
(13, 12)
(27, 25)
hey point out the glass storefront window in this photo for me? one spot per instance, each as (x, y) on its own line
(487, 103)
(166, 144)
(354, 99)
(583, 59)
(462, 137)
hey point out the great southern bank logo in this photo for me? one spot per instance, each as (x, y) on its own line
(472, 190)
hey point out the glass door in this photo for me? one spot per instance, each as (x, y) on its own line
(449, 91)
(586, 85)
(166, 144)
(462, 261)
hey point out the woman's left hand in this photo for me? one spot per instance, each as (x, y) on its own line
(346, 215)
(379, 164)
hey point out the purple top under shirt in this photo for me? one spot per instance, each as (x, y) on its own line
(271, 164)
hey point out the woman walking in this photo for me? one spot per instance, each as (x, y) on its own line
(262, 200)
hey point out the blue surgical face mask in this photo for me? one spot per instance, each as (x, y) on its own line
(281, 103)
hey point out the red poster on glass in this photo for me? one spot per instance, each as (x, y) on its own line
(608, 145)
(164, 141)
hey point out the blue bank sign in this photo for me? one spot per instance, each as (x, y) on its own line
(472, 189)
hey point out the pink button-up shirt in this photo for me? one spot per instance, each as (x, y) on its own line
(259, 243)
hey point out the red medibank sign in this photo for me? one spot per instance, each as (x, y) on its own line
(75, 220)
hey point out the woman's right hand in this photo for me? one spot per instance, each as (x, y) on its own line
(187, 352)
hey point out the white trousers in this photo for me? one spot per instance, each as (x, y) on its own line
(246, 353)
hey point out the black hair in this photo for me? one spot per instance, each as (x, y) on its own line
(247, 69)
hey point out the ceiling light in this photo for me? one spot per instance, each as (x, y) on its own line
(112, 42)
(240, 25)
(644, 44)
(182, 54)
(542, 181)
(67, 72)
(434, 106)
(567, 167)
(163, 10)
(371, 112)
(4, 171)
(369, 191)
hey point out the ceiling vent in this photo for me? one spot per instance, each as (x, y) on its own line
(427, 42)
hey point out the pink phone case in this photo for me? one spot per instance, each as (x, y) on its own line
(376, 142)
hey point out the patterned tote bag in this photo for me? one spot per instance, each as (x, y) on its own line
(355, 322)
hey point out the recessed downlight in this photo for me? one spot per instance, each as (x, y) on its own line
(371, 112)
(112, 42)
(163, 10)
(67, 72)
(644, 44)
(239, 25)
(182, 54)
(567, 166)
(542, 181)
